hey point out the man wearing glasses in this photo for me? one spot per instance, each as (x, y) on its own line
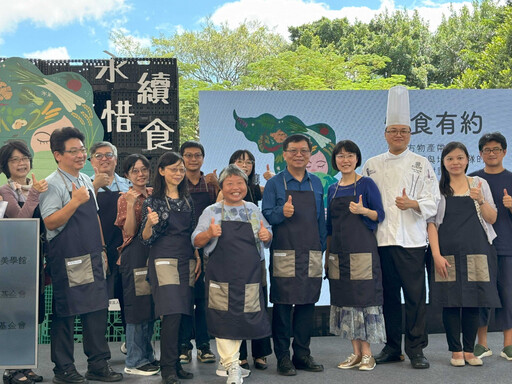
(203, 190)
(493, 148)
(410, 195)
(76, 263)
(293, 204)
(107, 185)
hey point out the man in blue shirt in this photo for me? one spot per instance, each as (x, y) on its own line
(493, 148)
(291, 201)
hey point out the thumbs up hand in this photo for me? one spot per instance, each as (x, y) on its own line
(507, 199)
(211, 178)
(268, 173)
(288, 208)
(40, 186)
(403, 202)
(101, 179)
(264, 234)
(214, 230)
(358, 208)
(152, 218)
(80, 195)
(476, 193)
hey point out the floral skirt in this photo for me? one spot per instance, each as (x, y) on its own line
(358, 323)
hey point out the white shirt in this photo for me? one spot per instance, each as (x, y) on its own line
(393, 173)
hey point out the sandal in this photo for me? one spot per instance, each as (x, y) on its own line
(32, 375)
(260, 363)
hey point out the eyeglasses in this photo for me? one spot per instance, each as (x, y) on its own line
(18, 160)
(100, 156)
(193, 155)
(244, 162)
(177, 170)
(75, 152)
(350, 156)
(135, 171)
(494, 150)
(394, 132)
(294, 152)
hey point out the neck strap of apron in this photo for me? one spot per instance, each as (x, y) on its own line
(168, 206)
(286, 185)
(338, 184)
(62, 175)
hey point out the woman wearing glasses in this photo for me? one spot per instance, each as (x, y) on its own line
(352, 261)
(260, 348)
(137, 303)
(173, 266)
(22, 196)
(465, 262)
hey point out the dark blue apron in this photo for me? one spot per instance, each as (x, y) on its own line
(236, 306)
(76, 264)
(112, 234)
(463, 242)
(171, 266)
(296, 253)
(355, 278)
(201, 201)
(138, 302)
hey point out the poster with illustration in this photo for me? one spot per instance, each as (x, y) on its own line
(33, 105)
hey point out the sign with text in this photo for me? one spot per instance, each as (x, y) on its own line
(19, 282)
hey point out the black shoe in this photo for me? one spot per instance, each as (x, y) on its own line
(104, 374)
(170, 380)
(260, 366)
(245, 365)
(69, 377)
(182, 374)
(384, 357)
(16, 377)
(419, 361)
(285, 367)
(307, 363)
(32, 375)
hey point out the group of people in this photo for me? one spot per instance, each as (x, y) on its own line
(190, 251)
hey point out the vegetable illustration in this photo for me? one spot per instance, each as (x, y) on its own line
(5, 91)
(69, 100)
(28, 96)
(74, 85)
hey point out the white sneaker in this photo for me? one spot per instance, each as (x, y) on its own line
(223, 372)
(235, 374)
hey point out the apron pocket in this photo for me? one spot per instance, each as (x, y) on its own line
(218, 296)
(192, 272)
(167, 271)
(451, 271)
(315, 264)
(478, 269)
(361, 266)
(333, 266)
(79, 270)
(252, 298)
(283, 263)
(142, 287)
(263, 274)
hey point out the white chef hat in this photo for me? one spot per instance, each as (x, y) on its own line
(398, 112)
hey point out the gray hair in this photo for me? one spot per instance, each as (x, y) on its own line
(101, 144)
(232, 170)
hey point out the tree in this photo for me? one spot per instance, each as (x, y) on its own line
(493, 67)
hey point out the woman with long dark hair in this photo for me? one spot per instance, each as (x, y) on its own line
(138, 302)
(173, 266)
(465, 262)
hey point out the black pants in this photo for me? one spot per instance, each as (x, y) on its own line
(457, 319)
(115, 289)
(284, 327)
(169, 331)
(259, 347)
(404, 268)
(94, 327)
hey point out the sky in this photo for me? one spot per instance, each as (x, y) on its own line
(80, 29)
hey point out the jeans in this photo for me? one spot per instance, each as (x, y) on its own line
(138, 343)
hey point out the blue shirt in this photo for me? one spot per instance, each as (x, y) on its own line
(274, 198)
(366, 187)
(119, 184)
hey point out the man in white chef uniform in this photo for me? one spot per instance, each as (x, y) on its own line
(410, 194)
